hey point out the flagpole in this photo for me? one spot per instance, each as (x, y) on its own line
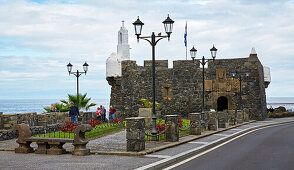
(186, 42)
(186, 52)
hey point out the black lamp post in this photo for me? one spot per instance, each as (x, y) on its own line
(203, 61)
(77, 74)
(240, 78)
(168, 26)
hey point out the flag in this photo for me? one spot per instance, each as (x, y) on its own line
(185, 35)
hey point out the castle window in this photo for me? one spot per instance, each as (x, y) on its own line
(166, 92)
(120, 38)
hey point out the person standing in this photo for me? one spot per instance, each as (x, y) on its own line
(73, 113)
(98, 113)
(104, 116)
(112, 111)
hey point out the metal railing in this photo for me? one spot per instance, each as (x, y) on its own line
(54, 131)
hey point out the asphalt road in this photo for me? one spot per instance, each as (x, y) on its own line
(266, 149)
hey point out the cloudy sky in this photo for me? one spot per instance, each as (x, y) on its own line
(39, 37)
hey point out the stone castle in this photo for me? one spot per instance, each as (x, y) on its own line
(179, 89)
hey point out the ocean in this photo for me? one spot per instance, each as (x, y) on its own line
(37, 105)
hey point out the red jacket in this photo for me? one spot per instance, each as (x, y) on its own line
(112, 111)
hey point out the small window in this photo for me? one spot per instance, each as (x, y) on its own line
(120, 38)
(166, 92)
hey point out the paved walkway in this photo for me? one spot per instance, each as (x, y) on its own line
(117, 142)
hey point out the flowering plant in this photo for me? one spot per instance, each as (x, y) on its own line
(160, 127)
(116, 120)
(69, 127)
(180, 122)
(94, 122)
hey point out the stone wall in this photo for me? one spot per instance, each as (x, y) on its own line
(33, 119)
(179, 89)
(11, 134)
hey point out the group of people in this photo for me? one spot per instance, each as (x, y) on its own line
(100, 112)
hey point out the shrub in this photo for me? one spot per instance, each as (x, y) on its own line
(281, 114)
(69, 127)
(280, 109)
(149, 104)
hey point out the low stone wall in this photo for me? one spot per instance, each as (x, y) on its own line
(36, 130)
(33, 119)
(8, 120)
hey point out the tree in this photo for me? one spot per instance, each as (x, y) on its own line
(83, 101)
(64, 105)
(59, 106)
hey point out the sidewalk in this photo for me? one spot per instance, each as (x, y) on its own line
(115, 144)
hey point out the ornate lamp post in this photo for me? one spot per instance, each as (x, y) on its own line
(203, 61)
(77, 74)
(168, 26)
(240, 78)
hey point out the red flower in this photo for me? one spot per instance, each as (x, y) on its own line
(116, 120)
(180, 122)
(69, 127)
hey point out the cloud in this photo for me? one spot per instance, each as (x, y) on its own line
(38, 38)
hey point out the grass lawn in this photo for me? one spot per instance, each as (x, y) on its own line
(95, 132)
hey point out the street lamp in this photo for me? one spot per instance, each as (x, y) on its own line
(77, 74)
(240, 78)
(203, 61)
(168, 26)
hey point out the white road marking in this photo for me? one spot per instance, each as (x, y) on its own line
(211, 149)
(220, 135)
(236, 129)
(204, 143)
(158, 156)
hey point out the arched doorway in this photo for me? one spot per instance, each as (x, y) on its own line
(222, 103)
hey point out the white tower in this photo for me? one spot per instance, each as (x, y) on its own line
(113, 62)
(123, 47)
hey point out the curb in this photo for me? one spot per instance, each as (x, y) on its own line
(165, 162)
(142, 153)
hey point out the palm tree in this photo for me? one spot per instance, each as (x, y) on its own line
(59, 106)
(83, 101)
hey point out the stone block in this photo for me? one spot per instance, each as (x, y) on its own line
(221, 73)
(146, 113)
(246, 115)
(240, 116)
(212, 122)
(135, 146)
(135, 134)
(232, 117)
(172, 128)
(208, 85)
(223, 121)
(195, 123)
(80, 141)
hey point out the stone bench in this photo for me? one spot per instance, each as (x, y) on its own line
(52, 146)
